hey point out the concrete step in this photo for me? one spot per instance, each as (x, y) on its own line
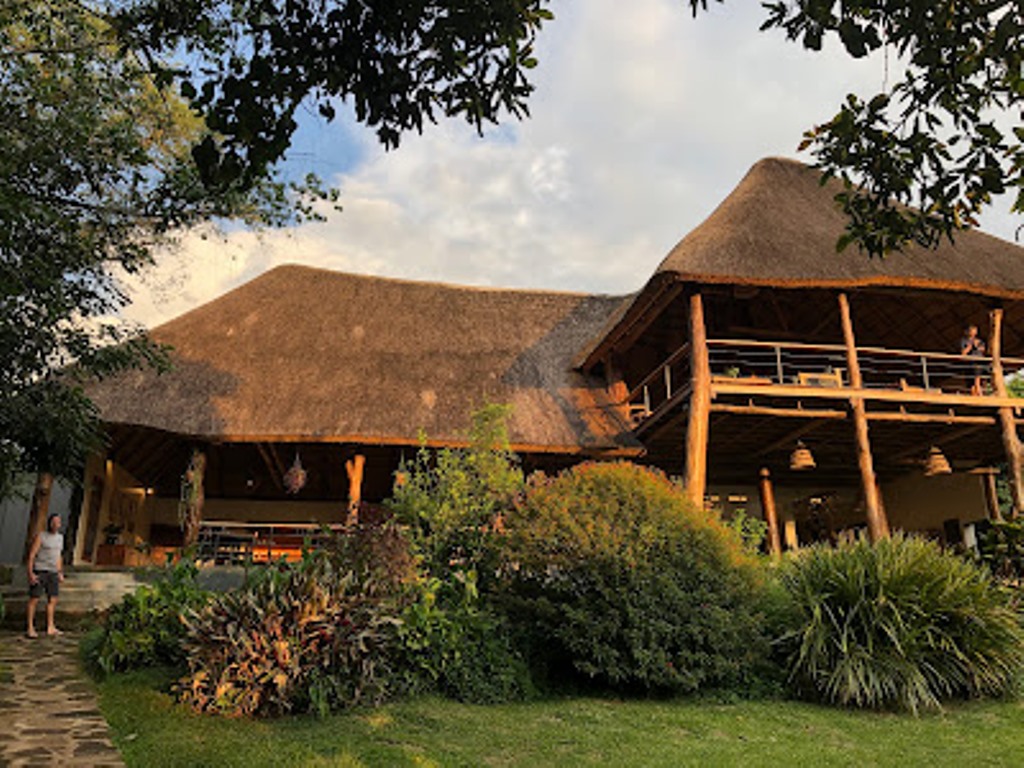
(83, 592)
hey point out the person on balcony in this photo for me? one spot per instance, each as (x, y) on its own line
(972, 345)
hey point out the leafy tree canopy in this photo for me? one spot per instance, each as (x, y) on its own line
(920, 160)
(109, 145)
(400, 64)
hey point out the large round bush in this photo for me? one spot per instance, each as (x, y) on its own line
(897, 624)
(623, 580)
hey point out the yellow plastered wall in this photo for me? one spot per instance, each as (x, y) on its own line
(123, 503)
(913, 502)
(918, 503)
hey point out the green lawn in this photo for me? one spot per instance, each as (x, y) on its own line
(151, 730)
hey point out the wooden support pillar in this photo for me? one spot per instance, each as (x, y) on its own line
(878, 526)
(771, 515)
(700, 404)
(354, 470)
(988, 486)
(881, 505)
(1011, 442)
(39, 510)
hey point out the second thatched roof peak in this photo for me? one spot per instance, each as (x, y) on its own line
(779, 227)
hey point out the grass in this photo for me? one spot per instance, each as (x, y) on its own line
(150, 730)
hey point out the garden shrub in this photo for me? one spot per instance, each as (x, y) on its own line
(146, 628)
(453, 499)
(455, 645)
(316, 635)
(1002, 550)
(625, 582)
(897, 624)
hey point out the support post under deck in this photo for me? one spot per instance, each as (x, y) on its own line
(1011, 442)
(878, 525)
(700, 404)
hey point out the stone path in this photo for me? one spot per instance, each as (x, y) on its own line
(48, 709)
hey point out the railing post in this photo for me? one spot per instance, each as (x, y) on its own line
(668, 382)
(647, 401)
(924, 373)
(778, 363)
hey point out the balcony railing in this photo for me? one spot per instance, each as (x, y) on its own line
(236, 543)
(793, 364)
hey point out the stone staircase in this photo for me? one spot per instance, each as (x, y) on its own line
(84, 591)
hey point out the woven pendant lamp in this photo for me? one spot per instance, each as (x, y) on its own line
(801, 459)
(936, 463)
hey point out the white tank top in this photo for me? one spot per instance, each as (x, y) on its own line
(50, 547)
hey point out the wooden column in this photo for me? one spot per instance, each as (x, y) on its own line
(1011, 443)
(771, 515)
(39, 510)
(700, 405)
(354, 470)
(988, 486)
(878, 526)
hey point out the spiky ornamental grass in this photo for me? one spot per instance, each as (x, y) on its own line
(898, 624)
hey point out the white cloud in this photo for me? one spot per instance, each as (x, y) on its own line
(644, 119)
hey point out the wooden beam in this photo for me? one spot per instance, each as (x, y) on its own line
(700, 404)
(988, 484)
(1008, 425)
(930, 418)
(921, 449)
(768, 410)
(738, 387)
(771, 515)
(354, 470)
(276, 475)
(878, 525)
(789, 438)
(637, 325)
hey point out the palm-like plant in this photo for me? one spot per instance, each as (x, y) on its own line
(897, 624)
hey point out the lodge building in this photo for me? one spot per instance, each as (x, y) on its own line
(822, 391)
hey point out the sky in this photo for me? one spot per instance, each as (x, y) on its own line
(643, 120)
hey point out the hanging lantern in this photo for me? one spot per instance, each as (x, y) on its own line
(936, 463)
(295, 478)
(801, 459)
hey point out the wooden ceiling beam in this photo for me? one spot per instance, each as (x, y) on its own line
(921, 448)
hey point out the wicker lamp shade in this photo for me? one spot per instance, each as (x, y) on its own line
(801, 459)
(936, 463)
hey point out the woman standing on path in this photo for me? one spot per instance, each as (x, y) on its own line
(45, 573)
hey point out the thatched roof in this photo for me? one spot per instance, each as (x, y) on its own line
(307, 354)
(779, 228)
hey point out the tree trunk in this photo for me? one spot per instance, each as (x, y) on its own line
(39, 510)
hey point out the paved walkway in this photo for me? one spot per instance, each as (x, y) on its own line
(48, 709)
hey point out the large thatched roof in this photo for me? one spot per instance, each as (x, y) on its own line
(779, 228)
(307, 354)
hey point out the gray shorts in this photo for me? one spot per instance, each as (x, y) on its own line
(48, 581)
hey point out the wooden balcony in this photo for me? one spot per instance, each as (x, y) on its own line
(812, 379)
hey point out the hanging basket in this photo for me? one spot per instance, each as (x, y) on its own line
(295, 478)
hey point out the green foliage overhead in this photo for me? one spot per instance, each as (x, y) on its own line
(897, 624)
(253, 63)
(619, 578)
(95, 169)
(944, 137)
